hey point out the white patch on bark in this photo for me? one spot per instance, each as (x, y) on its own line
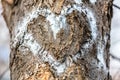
(100, 55)
(21, 27)
(47, 57)
(105, 39)
(92, 1)
(56, 23)
(101, 52)
(60, 68)
(76, 57)
(78, 1)
(92, 22)
(30, 42)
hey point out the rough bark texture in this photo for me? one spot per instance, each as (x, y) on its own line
(59, 39)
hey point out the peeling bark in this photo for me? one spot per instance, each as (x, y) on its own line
(59, 39)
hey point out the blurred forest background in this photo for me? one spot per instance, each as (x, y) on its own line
(115, 45)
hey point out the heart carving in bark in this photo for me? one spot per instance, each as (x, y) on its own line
(55, 38)
(61, 34)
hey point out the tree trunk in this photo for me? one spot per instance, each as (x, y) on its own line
(59, 39)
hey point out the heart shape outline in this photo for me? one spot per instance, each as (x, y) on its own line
(30, 42)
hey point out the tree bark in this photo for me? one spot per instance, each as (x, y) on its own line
(59, 39)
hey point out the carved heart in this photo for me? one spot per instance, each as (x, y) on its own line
(55, 36)
(61, 34)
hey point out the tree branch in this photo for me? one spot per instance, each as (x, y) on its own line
(116, 6)
(114, 57)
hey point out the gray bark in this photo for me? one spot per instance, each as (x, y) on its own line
(59, 39)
